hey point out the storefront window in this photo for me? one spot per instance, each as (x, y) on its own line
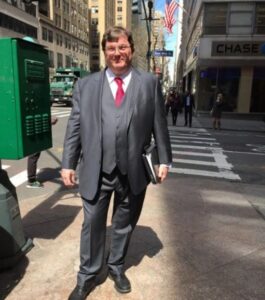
(214, 80)
(258, 91)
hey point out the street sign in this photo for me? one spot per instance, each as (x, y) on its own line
(163, 53)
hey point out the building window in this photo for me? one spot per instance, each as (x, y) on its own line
(94, 21)
(59, 60)
(260, 18)
(68, 61)
(44, 34)
(50, 36)
(119, 9)
(240, 18)
(17, 26)
(94, 9)
(215, 15)
(51, 59)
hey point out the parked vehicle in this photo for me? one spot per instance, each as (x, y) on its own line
(62, 84)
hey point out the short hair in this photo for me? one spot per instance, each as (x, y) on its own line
(112, 35)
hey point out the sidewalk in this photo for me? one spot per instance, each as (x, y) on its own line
(229, 123)
(197, 239)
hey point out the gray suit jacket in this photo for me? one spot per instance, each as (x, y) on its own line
(145, 116)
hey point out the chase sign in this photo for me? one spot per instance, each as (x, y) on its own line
(232, 48)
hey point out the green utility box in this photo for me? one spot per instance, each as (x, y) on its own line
(25, 126)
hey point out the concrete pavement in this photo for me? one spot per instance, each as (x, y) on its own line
(197, 239)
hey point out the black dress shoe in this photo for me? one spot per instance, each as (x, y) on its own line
(122, 283)
(80, 293)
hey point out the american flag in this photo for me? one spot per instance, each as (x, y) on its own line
(169, 21)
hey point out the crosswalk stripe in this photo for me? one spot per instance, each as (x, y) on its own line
(192, 153)
(194, 138)
(4, 167)
(222, 174)
(199, 144)
(196, 147)
(19, 178)
(195, 162)
(194, 142)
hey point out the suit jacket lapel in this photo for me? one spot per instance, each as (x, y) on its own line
(133, 94)
(99, 83)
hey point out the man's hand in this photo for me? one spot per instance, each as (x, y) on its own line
(162, 172)
(68, 176)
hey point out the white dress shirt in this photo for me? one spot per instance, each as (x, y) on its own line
(126, 78)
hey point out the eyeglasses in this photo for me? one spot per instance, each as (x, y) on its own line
(120, 48)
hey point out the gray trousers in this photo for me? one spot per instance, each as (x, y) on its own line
(126, 212)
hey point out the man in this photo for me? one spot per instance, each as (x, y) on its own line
(114, 114)
(188, 107)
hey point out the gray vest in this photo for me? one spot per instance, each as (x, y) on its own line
(113, 132)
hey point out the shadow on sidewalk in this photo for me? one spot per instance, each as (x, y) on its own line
(50, 218)
(10, 278)
(144, 242)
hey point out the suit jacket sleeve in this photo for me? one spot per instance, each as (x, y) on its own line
(72, 141)
(161, 134)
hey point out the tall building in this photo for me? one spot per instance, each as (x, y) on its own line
(64, 30)
(18, 19)
(59, 25)
(123, 13)
(223, 50)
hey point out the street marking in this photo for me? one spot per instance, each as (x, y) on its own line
(257, 148)
(192, 153)
(4, 167)
(221, 174)
(195, 162)
(196, 147)
(242, 152)
(212, 151)
(194, 142)
(194, 138)
(20, 178)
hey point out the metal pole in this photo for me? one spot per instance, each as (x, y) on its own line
(148, 54)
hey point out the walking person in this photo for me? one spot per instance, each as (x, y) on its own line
(175, 106)
(216, 111)
(114, 114)
(32, 162)
(188, 108)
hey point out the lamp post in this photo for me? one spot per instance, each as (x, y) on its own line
(148, 20)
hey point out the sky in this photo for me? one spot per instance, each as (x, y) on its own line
(170, 39)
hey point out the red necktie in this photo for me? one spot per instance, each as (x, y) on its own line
(120, 92)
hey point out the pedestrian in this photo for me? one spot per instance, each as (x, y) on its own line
(115, 112)
(216, 111)
(32, 161)
(175, 107)
(188, 108)
(167, 105)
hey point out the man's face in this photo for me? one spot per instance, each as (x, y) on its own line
(118, 55)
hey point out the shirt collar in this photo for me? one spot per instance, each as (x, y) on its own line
(111, 76)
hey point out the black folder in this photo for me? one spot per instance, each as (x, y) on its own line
(151, 162)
